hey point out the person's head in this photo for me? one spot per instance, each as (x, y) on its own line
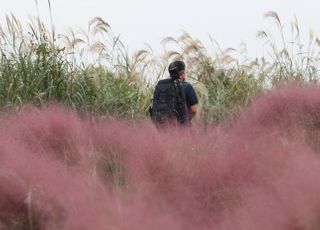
(177, 69)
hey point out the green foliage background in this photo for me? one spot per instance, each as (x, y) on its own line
(92, 70)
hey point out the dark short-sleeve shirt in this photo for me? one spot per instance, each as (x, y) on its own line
(191, 96)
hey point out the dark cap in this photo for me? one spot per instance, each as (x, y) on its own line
(176, 67)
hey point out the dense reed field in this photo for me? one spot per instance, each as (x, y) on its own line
(92, 70)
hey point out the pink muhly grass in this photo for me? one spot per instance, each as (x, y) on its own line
(60, 170)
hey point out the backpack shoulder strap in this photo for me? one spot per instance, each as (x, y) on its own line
(181, 101)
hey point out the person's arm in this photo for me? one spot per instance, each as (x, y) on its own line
(192, 99)
(193, 110)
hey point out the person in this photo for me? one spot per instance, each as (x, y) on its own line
(174, 98)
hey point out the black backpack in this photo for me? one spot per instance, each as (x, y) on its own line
(169, 103)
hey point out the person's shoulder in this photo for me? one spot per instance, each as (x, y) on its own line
(188, 86)
(164, 81)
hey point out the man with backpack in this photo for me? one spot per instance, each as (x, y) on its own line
(174, 100)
